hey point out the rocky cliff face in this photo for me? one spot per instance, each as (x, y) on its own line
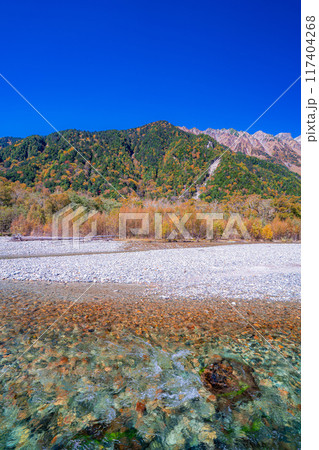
(282, 148)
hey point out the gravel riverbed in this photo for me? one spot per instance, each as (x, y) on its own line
(250, 271)
(11, 248)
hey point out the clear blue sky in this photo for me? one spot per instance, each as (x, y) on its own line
(97, 65)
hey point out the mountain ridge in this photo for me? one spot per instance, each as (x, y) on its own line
(154, 160)
(283, 148)
(5, 141)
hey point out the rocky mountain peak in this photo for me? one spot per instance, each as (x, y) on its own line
(282, 148)
(284, 136)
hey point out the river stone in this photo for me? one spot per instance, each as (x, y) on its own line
(229, 380)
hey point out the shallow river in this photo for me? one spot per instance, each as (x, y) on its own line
(122, 369)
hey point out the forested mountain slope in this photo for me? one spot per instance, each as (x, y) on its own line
(155, 160)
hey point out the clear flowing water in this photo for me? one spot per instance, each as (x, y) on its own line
(95, 381)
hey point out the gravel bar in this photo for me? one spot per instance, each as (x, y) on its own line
(250, 271)
(11, 248)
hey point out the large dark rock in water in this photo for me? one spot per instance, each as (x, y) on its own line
(229, 380)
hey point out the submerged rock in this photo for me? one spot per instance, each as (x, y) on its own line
(229, 380)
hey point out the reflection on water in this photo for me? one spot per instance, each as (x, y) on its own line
(92, 383)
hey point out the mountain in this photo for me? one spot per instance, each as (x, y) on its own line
(155, 160)
(282, 148)
(8, 140)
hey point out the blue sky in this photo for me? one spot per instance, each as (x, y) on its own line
(98, 65)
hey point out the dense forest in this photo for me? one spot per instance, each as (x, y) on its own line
(8, 140)
(29, 210)
(157, 160)
(156, 167)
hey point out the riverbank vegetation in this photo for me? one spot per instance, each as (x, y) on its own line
(29, 211)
